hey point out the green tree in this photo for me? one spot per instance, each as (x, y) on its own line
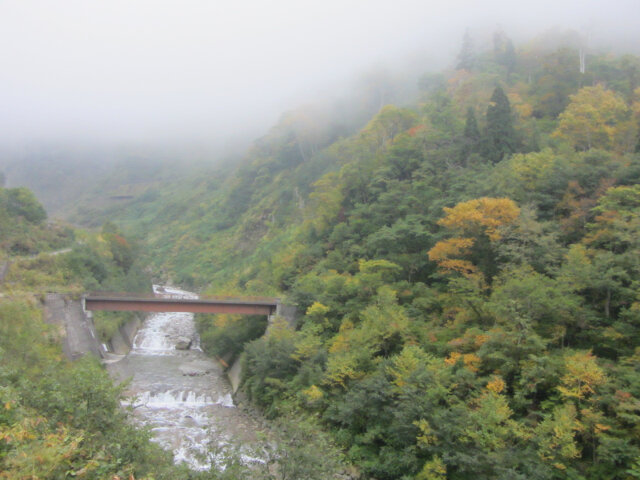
(614, 248)
(467, 56)
(471, 140)
(21, 202)
(558, 78)
(555, 437)
(500, 137)
(504, 52)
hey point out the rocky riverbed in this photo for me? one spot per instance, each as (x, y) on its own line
(183, 395)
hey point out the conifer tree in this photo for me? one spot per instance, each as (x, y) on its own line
(508, 58)
(504, 52)
(472, 138)
(500, 139)
(466, 57)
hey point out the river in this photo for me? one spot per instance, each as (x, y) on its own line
(182, 395)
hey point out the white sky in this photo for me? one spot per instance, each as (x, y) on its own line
(194, 69)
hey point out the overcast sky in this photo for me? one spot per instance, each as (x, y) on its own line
(199, 70)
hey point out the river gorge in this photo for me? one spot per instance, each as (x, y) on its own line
(182, 395)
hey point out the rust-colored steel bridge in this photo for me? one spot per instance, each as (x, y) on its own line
(148, 303)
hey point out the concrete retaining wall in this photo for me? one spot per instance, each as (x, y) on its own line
(76, 330)
(77, 333)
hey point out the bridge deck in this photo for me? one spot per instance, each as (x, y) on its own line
(120, 302)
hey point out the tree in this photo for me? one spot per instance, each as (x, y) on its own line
(381, 332)
(509, 58)
(614, 247)
(301, 450)
(596, 118)
(481, 216)
(472, 137)
(582, 377)
(467, 56)
(21, 202)
(477, 224)
(636, 112)
(471, 130)
(390, 122)
(559, 78)
(527, 301)
(555, 437)
(503, 51)
(326, 199)
(500, 135)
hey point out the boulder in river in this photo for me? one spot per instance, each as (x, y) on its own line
(196, 368)
(183, 343)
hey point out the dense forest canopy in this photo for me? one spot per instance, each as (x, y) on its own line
(466, 267)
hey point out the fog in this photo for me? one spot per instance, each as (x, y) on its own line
(208, 72)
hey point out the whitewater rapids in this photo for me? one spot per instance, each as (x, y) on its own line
(182, 395)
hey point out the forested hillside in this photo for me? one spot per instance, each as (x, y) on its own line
(60, 419)
(467, 268)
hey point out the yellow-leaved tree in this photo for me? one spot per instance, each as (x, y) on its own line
(475, 225)
(596, 118)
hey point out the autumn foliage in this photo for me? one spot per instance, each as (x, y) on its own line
(474, 219)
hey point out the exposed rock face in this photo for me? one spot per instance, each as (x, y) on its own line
(183, 343)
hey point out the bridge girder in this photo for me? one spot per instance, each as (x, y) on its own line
(181, 305)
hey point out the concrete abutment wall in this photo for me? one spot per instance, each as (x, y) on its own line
(79, 337)
(289, 314)
(77, 332)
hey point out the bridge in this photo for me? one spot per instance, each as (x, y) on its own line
(168, 303)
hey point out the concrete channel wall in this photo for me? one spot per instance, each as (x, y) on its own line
(122, 341)
(286, 312)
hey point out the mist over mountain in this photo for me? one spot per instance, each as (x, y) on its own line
(154, 73)
(86, 89)
(448, 195)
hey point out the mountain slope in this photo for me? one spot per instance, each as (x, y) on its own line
(466, 265)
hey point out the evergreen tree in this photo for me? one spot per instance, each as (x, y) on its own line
(466, 57)
(508, 57)
(471, 130)
(471, 135)
(504, 52)
(500, 139)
